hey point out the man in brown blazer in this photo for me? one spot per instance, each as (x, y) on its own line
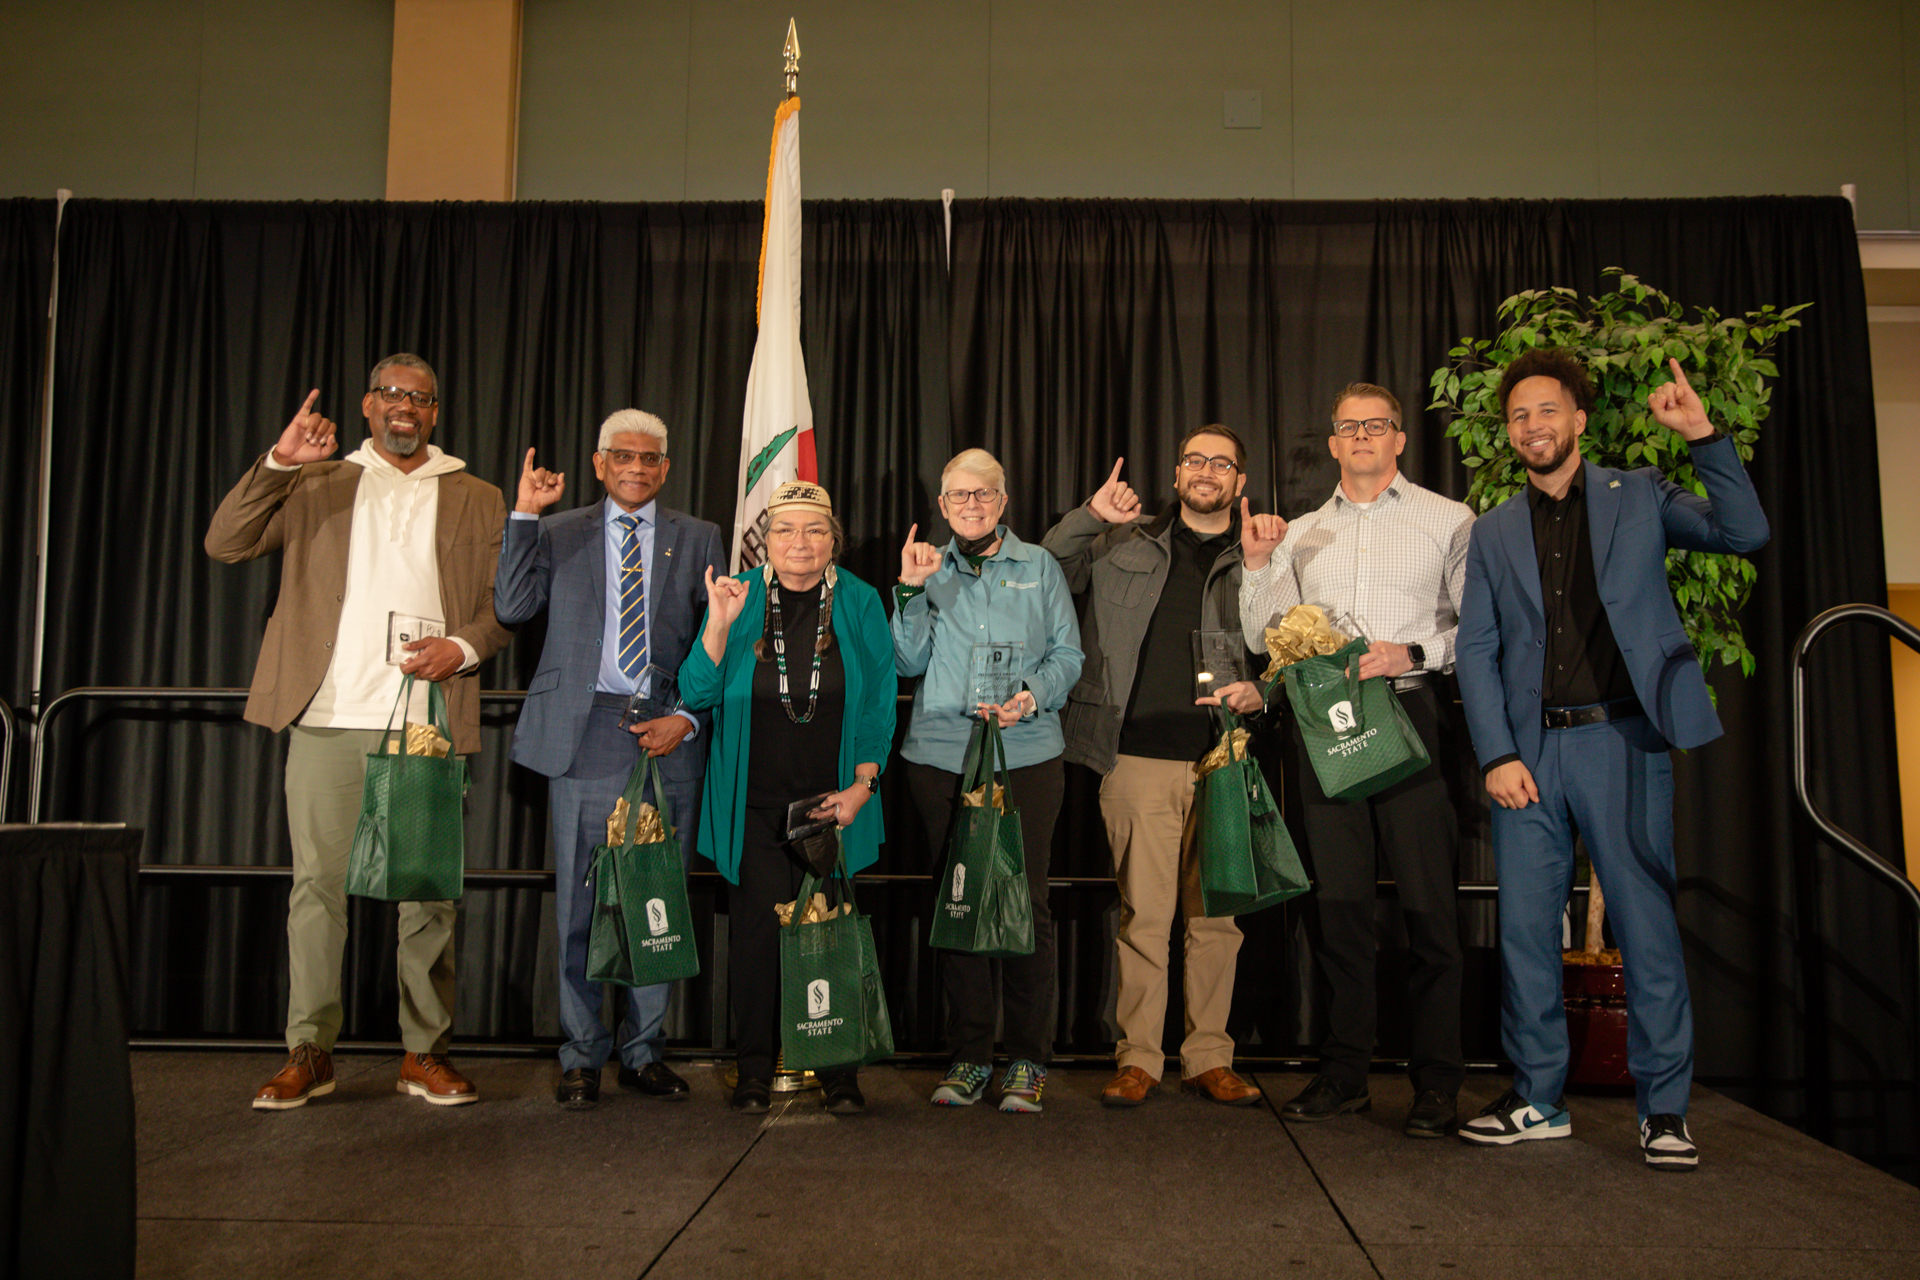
(397, 526)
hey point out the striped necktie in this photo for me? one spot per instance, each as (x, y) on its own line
(633, 601)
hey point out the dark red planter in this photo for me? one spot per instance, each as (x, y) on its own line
(1596, 996)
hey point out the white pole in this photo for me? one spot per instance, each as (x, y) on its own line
(946, 201)
(46, 465)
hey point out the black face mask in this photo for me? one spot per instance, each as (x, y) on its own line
(975, 546)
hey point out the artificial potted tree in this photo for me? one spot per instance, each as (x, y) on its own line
(1624, 338)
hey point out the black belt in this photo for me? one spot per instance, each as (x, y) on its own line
(1413, 680)
(1599, 713)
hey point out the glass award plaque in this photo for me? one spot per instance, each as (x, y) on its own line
(403, 629)
(659, 696)
(995, 673)
(1219, 658)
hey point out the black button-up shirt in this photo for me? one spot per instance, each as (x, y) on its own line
(1583, 660)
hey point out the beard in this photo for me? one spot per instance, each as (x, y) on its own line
(1551, 463)
(1203, 504)
(403, 446)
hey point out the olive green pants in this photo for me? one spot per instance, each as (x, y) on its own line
(326, 770)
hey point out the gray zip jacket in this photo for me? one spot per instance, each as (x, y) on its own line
(1126, 566)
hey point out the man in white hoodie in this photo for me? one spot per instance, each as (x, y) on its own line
(397, 526)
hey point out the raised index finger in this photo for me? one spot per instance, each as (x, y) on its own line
(1679, 374)
(1117, 464)
(306, 406)
(526, 468)
(911, 530)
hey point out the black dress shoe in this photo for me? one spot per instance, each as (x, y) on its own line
(579, 1089)
(656, 1080)
(1323, 1099)
(841, 1095)
(1433, 1115)
(754, 1097)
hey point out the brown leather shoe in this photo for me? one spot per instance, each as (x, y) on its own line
(308, 1074)
(1128, 1089)
(1222, 1085)
(431, 1076)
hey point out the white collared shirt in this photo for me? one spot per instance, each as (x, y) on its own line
(1391, 569)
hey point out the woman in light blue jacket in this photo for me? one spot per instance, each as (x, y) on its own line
(986, 586)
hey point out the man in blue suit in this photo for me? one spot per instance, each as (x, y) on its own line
(623, 582)
(1577, 678)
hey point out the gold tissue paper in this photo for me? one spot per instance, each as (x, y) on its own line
(817, 911)
(422, 740)
(978, 797)
(1219, 756)
(648, 831)
(1303, 633)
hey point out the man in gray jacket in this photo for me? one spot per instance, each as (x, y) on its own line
(1149, 584)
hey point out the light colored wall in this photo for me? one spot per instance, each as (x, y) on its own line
(1895, 336)
(455, 103)
(672, 99)
(195, 99)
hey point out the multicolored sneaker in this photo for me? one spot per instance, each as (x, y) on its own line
(1021, 1087)
(966, 1084)
(1511, 1118)
(1665, 1142)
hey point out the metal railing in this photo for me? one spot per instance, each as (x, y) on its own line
(498, 878)
(9, 727)
(1845, 841)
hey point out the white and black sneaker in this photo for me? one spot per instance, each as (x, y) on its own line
(1511, 1118)
(1665, 1142)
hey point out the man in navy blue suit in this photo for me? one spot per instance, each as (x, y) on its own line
(623, 581)
(1577, 678)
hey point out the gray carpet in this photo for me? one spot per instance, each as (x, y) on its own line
(368, 1183)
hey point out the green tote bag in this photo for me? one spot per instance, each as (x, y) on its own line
(982, 905)
(1358, 737)
(642, 931)
(411, 842)
(833, 1009)
(1247, 857)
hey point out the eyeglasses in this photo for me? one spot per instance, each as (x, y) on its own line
(627, 457)
(787, 533)
(961, 497)
(394, 395)
(1219, 466)
(1351, 426)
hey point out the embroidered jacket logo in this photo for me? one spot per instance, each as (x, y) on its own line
(959, 881)
(818, 998)
(656, 917)
(1340, 716)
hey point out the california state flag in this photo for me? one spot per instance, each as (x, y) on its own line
(776, 434)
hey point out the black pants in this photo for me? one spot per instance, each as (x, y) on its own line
(1025, 984)
(1412, 829)
(770, 873)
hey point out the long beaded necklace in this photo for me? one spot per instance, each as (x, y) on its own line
(780, 650)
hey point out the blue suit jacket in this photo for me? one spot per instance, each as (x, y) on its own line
(1633, 517)
(559, 564)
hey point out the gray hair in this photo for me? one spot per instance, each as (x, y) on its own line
(406, 360)
(976, 462)
(635, 421)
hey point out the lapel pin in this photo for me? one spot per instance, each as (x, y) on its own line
(1611, 484)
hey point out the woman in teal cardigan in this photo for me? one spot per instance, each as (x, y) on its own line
(797, 660)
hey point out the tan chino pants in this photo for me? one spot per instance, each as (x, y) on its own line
(1147, 806)
(326, 770)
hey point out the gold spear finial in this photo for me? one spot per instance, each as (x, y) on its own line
(792, 54)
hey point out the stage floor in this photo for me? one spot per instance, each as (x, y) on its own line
(368, 1183)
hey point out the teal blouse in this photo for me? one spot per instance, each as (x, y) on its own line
(866, 729)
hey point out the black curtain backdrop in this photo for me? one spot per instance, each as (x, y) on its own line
(26, 272)
(1066, 333)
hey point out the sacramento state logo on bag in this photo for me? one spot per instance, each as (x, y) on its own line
(656, 917)
(959, 881)
(819, 998)
(1340, 716)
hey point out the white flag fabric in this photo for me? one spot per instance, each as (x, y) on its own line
(776, 433)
